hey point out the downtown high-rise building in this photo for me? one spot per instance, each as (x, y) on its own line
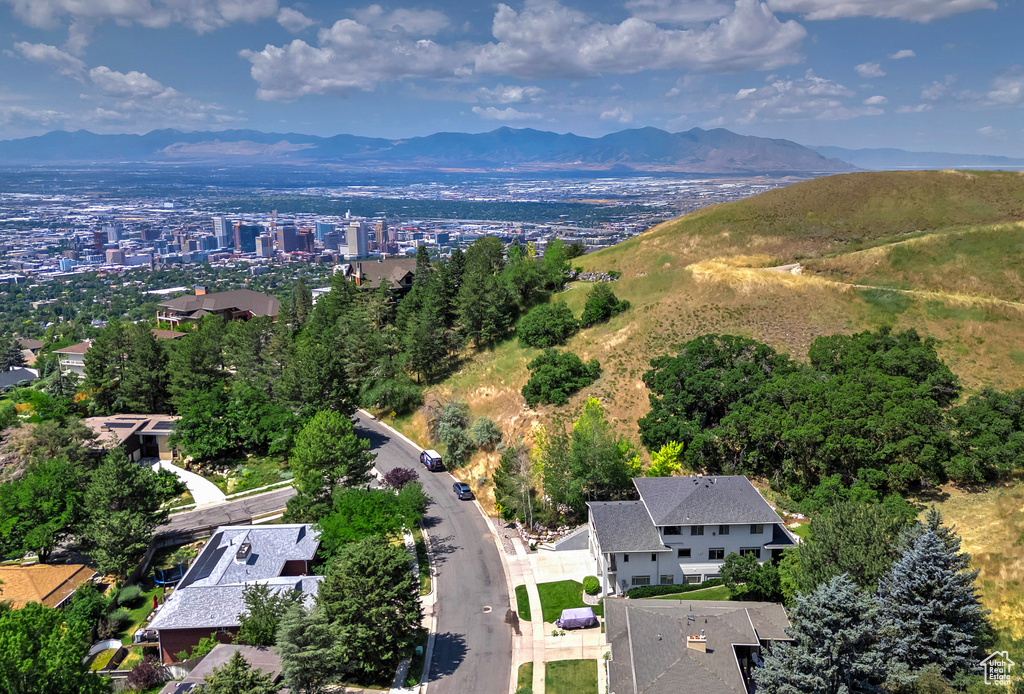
(287, 237)
(223, 231)
(245, 237)
(322, 229)
(358, 239)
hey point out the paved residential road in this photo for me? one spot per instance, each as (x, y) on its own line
(473, 647)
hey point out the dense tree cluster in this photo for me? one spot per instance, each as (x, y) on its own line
(547, 325)
(893, 622)
(868, 415)
(602, 305)
(555, 376)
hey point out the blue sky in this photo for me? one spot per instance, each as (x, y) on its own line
(916, 74)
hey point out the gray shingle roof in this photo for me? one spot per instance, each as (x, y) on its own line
(703, 500)
(648, 643)
(625, 526)
(202, 607)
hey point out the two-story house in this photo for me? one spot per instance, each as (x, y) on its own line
(681, 530)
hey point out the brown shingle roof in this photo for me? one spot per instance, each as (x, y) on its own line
(167, 334)
(80, 348)
(391, 269)
(29, 343)
(50, 584)
(257, 303)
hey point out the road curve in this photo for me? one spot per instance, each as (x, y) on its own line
(473, 646)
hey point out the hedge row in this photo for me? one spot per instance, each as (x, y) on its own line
(652, 591)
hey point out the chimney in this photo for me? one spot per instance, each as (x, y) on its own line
(698, 643)
(243, 552)
(200, 290)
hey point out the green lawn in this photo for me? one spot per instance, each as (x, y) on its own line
(715, 593)
(100, 660)
(523, 604)
(252, 473)
(524, 683)
(138, 614)
(570, 677)
(423, 560)
(803, 531)
(561, 595)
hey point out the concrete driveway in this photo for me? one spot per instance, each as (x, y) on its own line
(203, 491)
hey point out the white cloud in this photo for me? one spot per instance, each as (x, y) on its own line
(418, 22)
(912, 10)
(200, 15)
(1008, 88)
(503, 114)
(901, 54)
(618, 114)
(938, 90)
(679, 12)
(870, 70)
(987, 130)
(293, 20)
(131, 85)
(64, 63)
(509, 94)
(15, 116)
(550, 40)
(920, 108)
(875, 101)
(810, 97)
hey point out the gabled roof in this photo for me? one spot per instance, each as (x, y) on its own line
(265, 659)
(394, 270)
(50, 584)
(624, 526)
(649, 652)
(706, 500)
(257, 303)
(211, 607)
(29, 343)
(13, 377)
(80, 348)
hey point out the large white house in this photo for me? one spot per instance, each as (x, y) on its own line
(681, 530)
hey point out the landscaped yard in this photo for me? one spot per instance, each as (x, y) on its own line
(100, 660)
(423, 560)
(525, 678)
(139, 612)
(715, 593)
(523, 604)
(251, 473)
(562, 595)
(570, 677)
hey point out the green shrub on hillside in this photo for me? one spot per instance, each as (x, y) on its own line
(547, 325)
(554, 376)
(602, 305)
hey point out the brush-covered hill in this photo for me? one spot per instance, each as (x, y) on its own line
(942, 252)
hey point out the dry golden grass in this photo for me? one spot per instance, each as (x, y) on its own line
(991, 525)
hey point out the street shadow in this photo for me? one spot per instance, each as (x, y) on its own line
(430, 522)
(376, 438)
(441, 547)
(449, 653)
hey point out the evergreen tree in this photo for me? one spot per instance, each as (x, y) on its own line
(237, 676)
(301, 303)
(371, 601)
(835, 646)
(858, 540)
(327, 454)
(426, 347)
(305, 643)
(486, 306)
(11, 355)
(930, 610)
(123, 505)
(105, 363)
(144, 380)
(196, 361)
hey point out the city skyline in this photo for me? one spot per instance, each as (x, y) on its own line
(914, 74)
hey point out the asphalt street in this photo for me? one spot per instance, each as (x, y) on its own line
(473, 645)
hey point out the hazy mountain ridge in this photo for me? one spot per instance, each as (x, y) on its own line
(642, 149)
(892, 158)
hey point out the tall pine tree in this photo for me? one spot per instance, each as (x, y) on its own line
(930, 610)
(835, 647)
(305, 643)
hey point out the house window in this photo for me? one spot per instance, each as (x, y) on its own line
(716, 553)
(667, 579)
(625, 558)
(696, 529)
(723, 530)
(683, 553)
(692, 579)
(641, 580)
(756, 528)
(654, 557)
(671, 530)
(756, 551)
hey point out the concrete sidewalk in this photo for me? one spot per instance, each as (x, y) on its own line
(203, 490)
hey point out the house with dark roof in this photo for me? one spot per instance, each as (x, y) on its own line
(237, 304)
(395, 273)
(689, 646)
(681, 530)
(209, 597)
(140, 435)
(17, 376)
(266, 660)
(72, 358)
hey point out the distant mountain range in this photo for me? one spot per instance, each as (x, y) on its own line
(888, 159)
(641, 150)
